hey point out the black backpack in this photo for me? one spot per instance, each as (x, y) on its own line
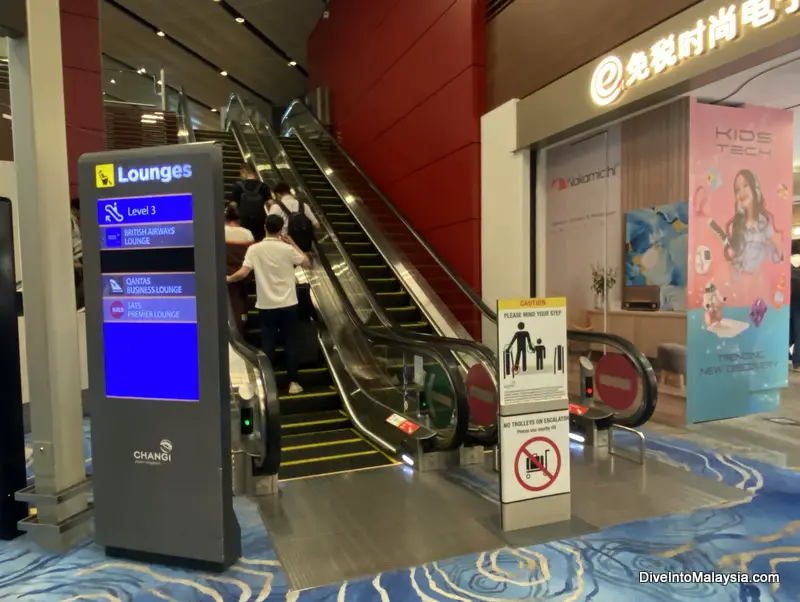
(300, 227)
(250, 196)
(251, 208)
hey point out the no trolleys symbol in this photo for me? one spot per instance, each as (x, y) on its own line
(537, 464)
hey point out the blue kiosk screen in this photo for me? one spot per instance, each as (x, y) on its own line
(149, 318)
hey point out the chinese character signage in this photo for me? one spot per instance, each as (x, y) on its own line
(616, 74)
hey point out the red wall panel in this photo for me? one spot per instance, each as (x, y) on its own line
(424, 65)
(407, 84)
(463, 184)
(83, 81)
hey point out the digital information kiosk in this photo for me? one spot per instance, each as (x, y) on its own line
(156, 329)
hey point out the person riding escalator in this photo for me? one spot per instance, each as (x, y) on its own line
(237, 241)
(251, 195)
(273, 262)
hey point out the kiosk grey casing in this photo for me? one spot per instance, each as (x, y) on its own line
(180, 511)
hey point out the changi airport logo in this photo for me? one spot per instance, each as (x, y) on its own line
(560, 184)
(110, 175)
(155, 458)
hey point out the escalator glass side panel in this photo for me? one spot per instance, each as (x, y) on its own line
(394, 229)
(315, 435)
(373, 268)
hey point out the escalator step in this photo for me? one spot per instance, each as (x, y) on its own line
(311, 400)
(297, 424)
(291, 455)
(310, 377)
(334, 464)
(321, 437)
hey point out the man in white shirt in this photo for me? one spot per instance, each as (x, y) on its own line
(273, 260)
(284, 193)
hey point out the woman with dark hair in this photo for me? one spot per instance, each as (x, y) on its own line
(751, 234)
(237, 241)
(233, 226)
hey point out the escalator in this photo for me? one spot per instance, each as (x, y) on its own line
(317, 436)
(367, 216)
(231, 156)
(375, 270)
(389, 308)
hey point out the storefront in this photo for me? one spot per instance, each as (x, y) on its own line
(659, 199)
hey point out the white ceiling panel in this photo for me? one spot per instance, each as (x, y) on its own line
(208, 30)
(288, 23)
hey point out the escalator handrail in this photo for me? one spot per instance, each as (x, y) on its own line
(391, 338)
(451, 368)
(639, 361)
(185, 114)
(460, 282)
(481, 352)
(270, 407)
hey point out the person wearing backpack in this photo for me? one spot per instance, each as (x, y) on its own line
(250, 194)
(299, 221)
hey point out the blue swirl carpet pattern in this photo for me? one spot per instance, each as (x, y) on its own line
(760, 534)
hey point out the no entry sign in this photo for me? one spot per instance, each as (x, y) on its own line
(537, 464)
(534, 456)
(617, 381)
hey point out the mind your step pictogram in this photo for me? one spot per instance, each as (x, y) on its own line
(515, 354)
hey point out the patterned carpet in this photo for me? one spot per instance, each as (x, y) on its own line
(757, 535)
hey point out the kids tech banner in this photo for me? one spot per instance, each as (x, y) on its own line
(740, 224)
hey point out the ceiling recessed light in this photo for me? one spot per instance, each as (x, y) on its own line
(240, 19)
(160, 34)
(223, 73)
(159, 82)
(113, 81)
(142, 71)
(213, 110)
(293, 63)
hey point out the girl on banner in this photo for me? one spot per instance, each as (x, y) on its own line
(751, 235)
(751, 239)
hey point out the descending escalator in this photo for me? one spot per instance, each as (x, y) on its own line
(317, 436)
(374, 269)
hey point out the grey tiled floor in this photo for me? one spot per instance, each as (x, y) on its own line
(342, 527)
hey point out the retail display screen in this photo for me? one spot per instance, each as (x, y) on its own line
(149, 298)
(146, 222)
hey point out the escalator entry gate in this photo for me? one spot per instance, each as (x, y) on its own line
(157, 349)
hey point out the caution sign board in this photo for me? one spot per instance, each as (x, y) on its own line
(534, 456)
(532, 345)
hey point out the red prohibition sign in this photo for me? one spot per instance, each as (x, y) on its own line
(551, 476)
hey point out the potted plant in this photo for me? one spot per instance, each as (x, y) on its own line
(603, 280)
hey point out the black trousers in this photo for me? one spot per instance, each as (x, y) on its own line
(281, 323)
